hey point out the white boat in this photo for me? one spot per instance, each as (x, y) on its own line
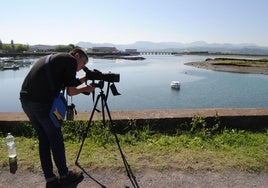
(175, 84)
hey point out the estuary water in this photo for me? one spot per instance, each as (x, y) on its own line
(145, 84)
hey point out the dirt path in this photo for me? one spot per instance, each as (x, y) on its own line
(148, 178)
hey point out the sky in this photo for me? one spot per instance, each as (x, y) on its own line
(55, 22)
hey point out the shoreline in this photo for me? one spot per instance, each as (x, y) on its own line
(152, 114)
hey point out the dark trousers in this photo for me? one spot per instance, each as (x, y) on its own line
(50, 138)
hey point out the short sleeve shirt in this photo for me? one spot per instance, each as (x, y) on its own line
(36, 86)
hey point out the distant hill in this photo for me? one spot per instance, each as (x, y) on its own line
(181, 47)
(174, 47)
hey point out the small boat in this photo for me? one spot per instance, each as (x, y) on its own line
(13, 67)
(175, 84)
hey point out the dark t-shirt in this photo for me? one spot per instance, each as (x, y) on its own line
(36, 86)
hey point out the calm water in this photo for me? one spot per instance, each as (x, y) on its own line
(145, 85)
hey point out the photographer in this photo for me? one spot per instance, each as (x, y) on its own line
(36, 99)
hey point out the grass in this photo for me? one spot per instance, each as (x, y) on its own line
(240, 62)
(196, 147)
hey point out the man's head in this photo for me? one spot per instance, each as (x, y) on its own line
(80, 56)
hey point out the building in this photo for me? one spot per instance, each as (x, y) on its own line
(104, 49)
(132, 51)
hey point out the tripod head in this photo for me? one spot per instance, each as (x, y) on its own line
(110, 85)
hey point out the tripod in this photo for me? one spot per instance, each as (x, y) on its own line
(101, 96)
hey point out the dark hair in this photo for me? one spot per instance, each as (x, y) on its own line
(80, 51)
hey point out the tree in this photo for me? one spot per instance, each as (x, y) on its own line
(7, 47)
(21, 48)
(63, 48)
(1, 45)
(12, 45)
(72, 46)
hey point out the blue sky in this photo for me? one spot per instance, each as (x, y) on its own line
(127, 21)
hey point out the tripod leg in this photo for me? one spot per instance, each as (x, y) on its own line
(86, 131)
(127, 166)
(103, 98)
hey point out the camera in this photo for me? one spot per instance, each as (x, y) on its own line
(97, 75)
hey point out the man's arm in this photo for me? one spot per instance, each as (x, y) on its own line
(71, 91)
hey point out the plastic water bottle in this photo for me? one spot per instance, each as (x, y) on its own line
(11, 146)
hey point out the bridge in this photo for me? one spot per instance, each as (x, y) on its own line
(157, 53)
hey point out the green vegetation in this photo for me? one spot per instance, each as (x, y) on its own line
(24, 48)
(196, 146)
(15, 47)
(239, 62)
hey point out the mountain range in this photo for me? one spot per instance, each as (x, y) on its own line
(245, 48)
(198, 46)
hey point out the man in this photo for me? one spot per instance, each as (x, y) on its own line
(36, 98)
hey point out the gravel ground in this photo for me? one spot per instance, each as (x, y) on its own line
(147, 178)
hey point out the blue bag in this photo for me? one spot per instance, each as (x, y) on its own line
(58, 110)
(59, 106)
